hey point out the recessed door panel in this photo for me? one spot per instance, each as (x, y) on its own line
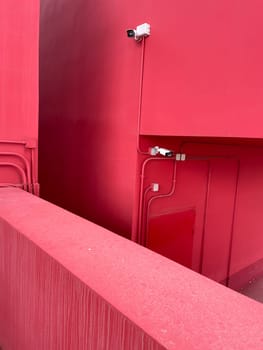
(172, 236)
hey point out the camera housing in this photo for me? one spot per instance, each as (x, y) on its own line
(162, 151)
(140, 32)
(166, 152)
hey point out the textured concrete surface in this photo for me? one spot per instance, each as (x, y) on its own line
(78, 286)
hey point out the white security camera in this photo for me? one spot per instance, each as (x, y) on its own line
(162, 151)
(141, 31)
(166, 152)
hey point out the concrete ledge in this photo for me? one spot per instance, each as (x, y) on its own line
(69, 284)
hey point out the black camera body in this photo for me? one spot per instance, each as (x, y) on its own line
(131, 33)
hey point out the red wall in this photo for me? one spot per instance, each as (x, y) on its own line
(19, 69)
(198, 74)
(19, 42)
(89, 88)
(204, 69)
(215, 206)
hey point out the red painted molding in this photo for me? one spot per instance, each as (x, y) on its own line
(69, 284)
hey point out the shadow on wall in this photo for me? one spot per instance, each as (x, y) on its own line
(86, 109)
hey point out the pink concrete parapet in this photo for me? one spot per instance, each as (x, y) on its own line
(69, 284)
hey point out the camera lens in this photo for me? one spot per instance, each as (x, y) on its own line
(130, 33)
